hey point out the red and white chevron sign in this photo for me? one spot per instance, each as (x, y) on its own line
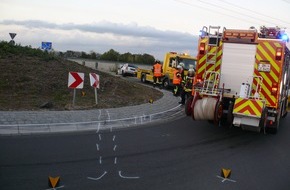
(95, 80)
(76, 80)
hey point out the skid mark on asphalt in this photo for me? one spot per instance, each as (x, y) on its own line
(100, 144)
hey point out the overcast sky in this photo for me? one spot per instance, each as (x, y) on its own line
(148, 26)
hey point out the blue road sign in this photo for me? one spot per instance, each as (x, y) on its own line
(46, 45)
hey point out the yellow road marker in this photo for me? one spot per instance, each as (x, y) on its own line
(53, 181)
(225, 173)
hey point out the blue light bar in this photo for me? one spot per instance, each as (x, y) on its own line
(202, 33)
(285, 37)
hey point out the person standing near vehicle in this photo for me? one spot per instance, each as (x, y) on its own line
(187, 86)
(176, 80)
(157, 74)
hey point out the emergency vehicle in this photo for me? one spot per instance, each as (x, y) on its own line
(171, 60)
(242, 78)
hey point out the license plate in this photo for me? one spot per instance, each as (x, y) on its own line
(264, 67)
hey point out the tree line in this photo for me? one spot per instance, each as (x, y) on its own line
(113, 55)
(7, 48)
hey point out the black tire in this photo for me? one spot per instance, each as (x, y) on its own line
(283, 116)
(263, 121)
(230, 117)
(195, 98)
(275, 128)
(218, 112)
(143, 78)
(123, 74)
(165, 83)
(284, 108)
(188, 108)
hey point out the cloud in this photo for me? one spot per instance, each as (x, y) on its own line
(102, 36)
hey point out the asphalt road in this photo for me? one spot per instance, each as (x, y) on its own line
(181, 154)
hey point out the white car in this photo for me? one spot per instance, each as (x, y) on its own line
(127, 69)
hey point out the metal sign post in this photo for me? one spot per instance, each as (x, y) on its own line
(74, 97)
(75, 81)
(12, 35)
(96, 96)
(95, 83)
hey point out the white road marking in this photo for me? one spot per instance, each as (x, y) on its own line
(109, 117)
(98, 128)
(114, 148)
(126, 177)
(226, 179)
(56, 188)
(100, 160)
(97, 178)
(99, 114)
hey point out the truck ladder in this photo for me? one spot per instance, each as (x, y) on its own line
(214, 39)
(255, 92)
(211, 83)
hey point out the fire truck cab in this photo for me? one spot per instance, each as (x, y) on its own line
(242, 78)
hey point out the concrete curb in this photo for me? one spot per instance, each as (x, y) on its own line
(33, 122)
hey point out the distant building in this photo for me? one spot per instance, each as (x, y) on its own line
(73, 54)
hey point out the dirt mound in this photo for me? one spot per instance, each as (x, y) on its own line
(34, 83)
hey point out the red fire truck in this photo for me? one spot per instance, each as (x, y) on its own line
(242, 78)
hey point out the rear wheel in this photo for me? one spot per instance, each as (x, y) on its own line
(275, 127)
(188, 108)
(165, 83)
(143, 78)
(218, 112)
(263, 120)
(284, 109)
(123, 74)
(194, 100)
(228, 117)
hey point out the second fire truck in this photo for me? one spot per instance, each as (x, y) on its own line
(242, 78)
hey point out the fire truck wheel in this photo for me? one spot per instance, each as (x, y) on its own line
(230, 117)
(275, 127)
(194, 99)
(218, 112)
(284, 109)
(188, 108)
(283, 116)
(263, 120)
